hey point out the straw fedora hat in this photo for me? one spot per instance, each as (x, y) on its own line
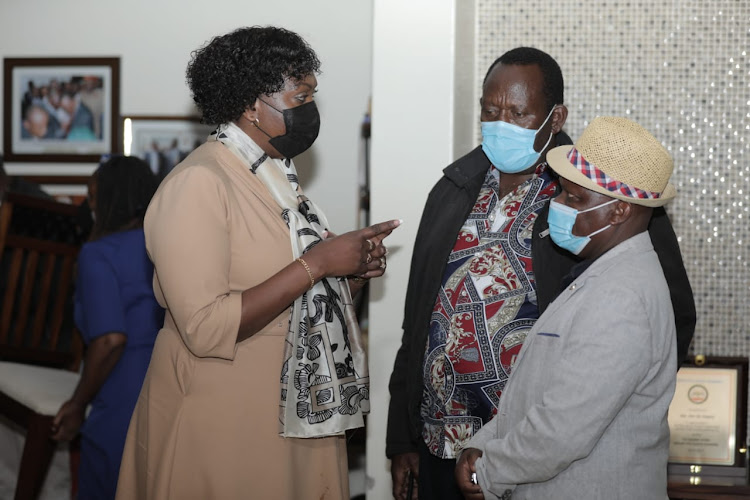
(617, 157)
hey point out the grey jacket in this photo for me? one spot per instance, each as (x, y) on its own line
(445, 212)
(584, 415)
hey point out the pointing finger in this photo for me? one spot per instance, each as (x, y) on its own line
(381, 229)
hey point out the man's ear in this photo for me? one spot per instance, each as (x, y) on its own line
(621, 213)
(559, 115)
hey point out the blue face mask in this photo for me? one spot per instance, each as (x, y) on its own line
(510, 147)
(561, 219)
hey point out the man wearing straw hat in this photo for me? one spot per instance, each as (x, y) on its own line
(584, 414)
(483, 271)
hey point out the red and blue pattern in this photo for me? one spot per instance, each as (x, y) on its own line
(600, 178)
(485, 307)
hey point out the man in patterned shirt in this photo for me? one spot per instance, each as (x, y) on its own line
(473, 292)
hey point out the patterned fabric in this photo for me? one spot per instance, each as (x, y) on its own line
(602, 179)
(324, 377)
(484, 309)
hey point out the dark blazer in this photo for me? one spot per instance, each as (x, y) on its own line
(445, 212)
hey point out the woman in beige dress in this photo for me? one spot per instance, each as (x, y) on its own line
(259, 368)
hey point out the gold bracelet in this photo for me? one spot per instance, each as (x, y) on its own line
(309, 273)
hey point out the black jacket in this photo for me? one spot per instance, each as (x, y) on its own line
(448, 205)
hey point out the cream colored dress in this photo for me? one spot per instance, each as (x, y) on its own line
(206, 423)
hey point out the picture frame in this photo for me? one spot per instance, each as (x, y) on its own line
(61, 109)
(163, 141)
(708, 418)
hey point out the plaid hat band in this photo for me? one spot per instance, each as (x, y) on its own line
(603, 180)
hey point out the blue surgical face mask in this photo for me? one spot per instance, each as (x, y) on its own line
(510, 147)
(561, 219)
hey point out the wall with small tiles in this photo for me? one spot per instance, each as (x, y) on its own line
(681, 69)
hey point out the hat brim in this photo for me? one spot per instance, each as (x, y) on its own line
(557, 159)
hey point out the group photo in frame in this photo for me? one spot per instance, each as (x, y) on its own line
(163, 141)
(60, 109)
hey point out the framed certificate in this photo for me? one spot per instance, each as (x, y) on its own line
(708, 417)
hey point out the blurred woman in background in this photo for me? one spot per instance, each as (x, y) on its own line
(118, 317)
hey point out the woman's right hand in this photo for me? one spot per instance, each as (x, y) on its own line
(68, 421)
(352, 253)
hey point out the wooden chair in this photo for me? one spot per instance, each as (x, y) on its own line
(40, 351)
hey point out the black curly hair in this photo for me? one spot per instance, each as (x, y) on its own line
(124, 187)
(554, 86)
(228, 74)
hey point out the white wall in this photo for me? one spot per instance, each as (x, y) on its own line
(154, 39)
(412, 141)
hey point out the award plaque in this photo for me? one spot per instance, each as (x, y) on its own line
(708, 418)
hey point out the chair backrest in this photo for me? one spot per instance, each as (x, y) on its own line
(39, 241)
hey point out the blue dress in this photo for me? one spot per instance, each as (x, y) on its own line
(114, 294)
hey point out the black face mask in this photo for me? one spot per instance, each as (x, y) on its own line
(302, 126)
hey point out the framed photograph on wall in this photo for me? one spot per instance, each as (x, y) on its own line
(163, 141)
(61, 109)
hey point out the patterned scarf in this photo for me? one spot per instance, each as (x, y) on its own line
(324, 378)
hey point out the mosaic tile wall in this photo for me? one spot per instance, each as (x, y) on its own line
(681, 69)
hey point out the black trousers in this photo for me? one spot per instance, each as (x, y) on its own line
(436, 478)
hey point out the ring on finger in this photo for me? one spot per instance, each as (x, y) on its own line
(369, 259)
(371, 245)
(382, 264)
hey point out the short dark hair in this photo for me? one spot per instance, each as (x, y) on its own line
(553, 84)
(229, 73)
(124, 187)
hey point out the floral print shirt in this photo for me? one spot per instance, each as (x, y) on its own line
(484, 309)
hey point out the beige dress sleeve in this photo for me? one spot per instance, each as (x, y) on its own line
(187, 239)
